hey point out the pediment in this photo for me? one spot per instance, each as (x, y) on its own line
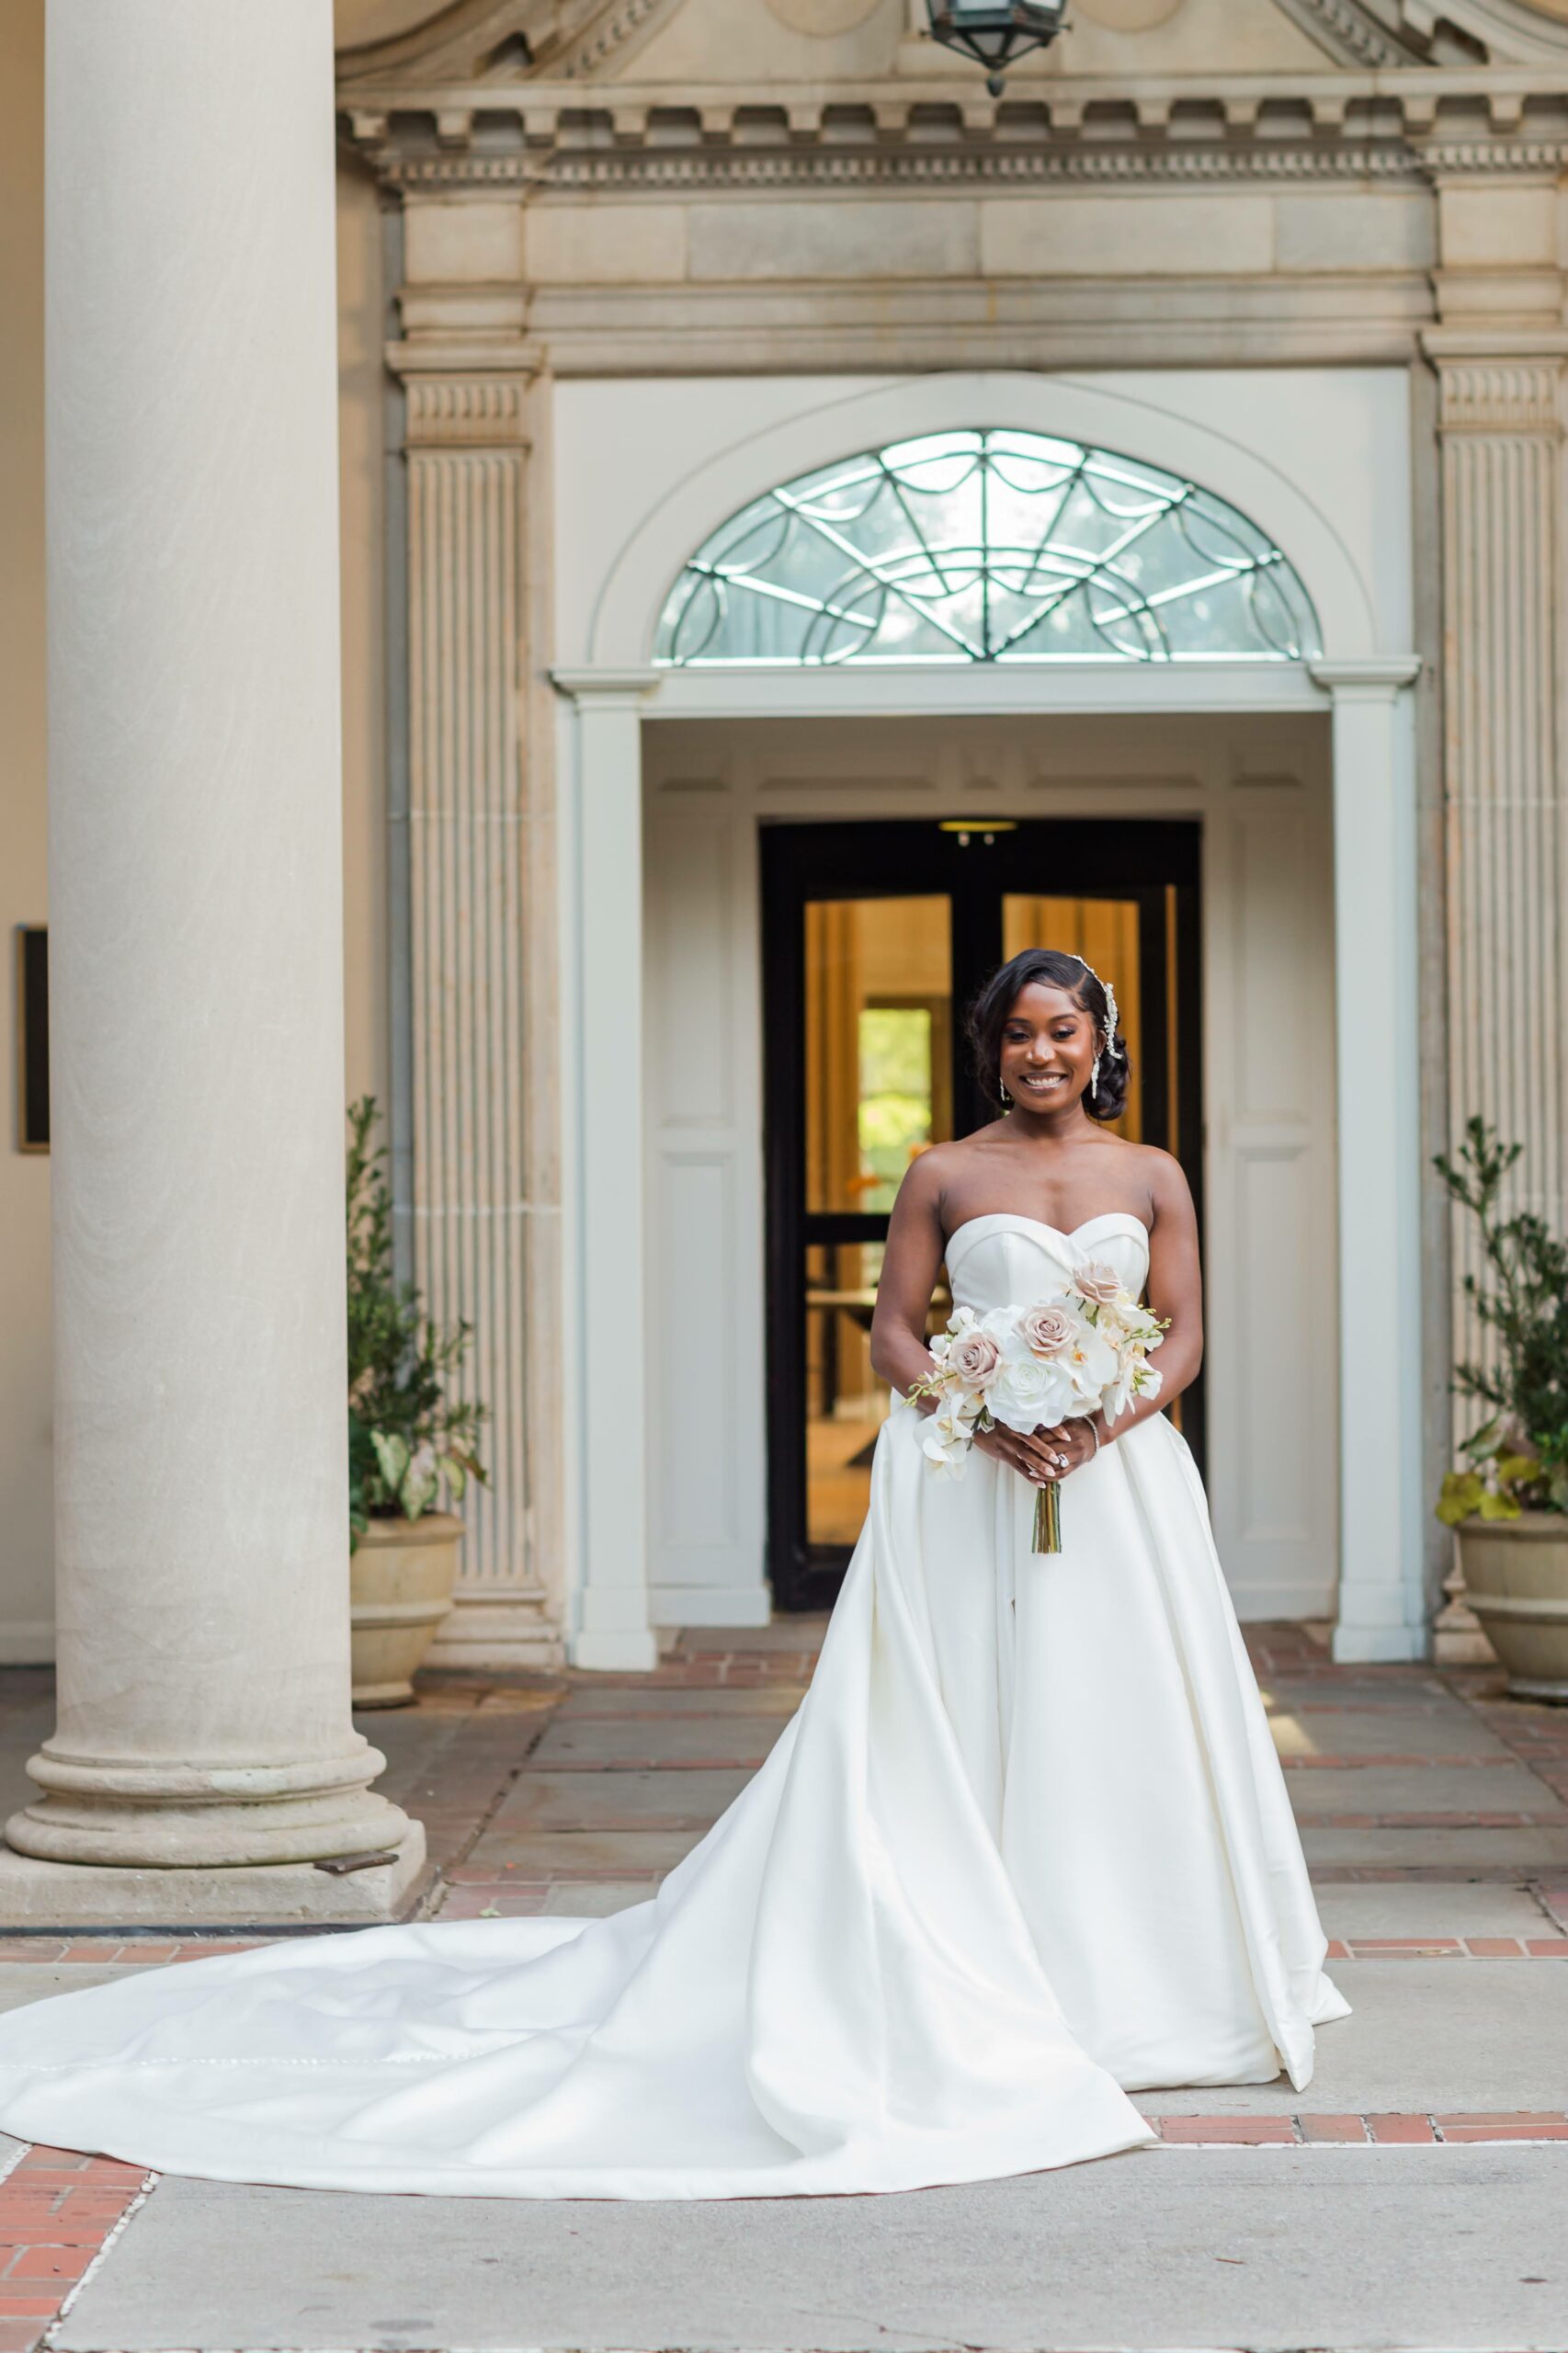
(472, 44)
(477, 41)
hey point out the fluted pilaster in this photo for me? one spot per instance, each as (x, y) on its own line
(1502, 424)
(467, 452)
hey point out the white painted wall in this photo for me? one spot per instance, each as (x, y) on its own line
(646, 467)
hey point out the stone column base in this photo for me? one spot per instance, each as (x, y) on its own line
(506, 1630)
(35, 1895)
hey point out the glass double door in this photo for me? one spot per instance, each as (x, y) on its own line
(876, 936)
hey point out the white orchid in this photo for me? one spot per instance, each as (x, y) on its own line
(945, 1442)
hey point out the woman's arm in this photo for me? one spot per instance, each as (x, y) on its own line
(911, 1264)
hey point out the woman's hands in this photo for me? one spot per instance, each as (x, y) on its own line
(1078, 1440)
(1046, 1455)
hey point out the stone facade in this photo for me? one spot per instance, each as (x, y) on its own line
(697, 188)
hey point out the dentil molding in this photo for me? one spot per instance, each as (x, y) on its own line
(547, 135)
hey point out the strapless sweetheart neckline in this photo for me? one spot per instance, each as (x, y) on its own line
(1061, 1233)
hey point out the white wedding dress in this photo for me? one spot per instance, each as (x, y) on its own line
(1025, 1846)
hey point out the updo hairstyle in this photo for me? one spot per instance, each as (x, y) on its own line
(1052, 968)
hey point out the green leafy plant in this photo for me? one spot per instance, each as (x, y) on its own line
(1517, 1460)
(409, 1444)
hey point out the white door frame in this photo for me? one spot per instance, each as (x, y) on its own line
(1381, 1612)
(1321, 466)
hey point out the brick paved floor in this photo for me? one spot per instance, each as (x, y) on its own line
(1434, 1812)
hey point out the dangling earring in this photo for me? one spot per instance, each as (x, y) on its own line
(1095, 1076)
(1007, 1098)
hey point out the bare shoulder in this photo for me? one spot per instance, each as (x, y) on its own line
(925, 1178)
(1157, 1175)
(930, 1180)
(1170, 1192)
(935, 1168)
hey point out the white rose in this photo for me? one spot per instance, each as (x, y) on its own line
(1028, 1390)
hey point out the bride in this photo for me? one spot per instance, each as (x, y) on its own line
(1024, 1847)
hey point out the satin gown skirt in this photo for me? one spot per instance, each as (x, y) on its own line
(1025, 1846)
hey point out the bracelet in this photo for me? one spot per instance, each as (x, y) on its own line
(1094, 1433)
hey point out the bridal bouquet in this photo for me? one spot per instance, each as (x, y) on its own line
(1025, 1368)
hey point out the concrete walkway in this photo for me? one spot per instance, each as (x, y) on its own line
(1415, 2195)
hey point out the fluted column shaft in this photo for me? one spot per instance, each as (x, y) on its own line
(197, 980)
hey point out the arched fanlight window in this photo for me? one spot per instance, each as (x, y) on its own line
(987, 546)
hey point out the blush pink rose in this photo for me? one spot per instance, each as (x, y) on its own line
(974, 1358)
(1097, 1283)
(1046, 1331)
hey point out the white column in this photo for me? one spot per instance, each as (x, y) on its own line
(602, 1046)
(204, 1758)
(1382, 1596)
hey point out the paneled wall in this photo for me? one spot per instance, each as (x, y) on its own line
(1269, 1114)
(703, 1066)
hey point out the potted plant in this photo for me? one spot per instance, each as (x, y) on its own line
(1508, 1504)
(411, 1447)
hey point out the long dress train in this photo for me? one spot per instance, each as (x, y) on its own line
(1025, 1846)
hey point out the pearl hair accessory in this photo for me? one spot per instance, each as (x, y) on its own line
(1111, 1016)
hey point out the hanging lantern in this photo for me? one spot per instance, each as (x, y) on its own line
(994, 32)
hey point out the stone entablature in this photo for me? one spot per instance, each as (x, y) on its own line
(623, 93)
(540, 134)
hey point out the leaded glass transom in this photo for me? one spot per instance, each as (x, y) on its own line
(986, 546)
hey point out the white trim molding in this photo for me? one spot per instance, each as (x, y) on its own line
(1347, 533)
(1382, 1605)
(1124, 418)
(602, 1089)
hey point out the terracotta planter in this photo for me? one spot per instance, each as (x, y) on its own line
(1516, 1580)
(400, 1588)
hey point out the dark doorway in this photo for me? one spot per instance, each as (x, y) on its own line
(875, 937)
